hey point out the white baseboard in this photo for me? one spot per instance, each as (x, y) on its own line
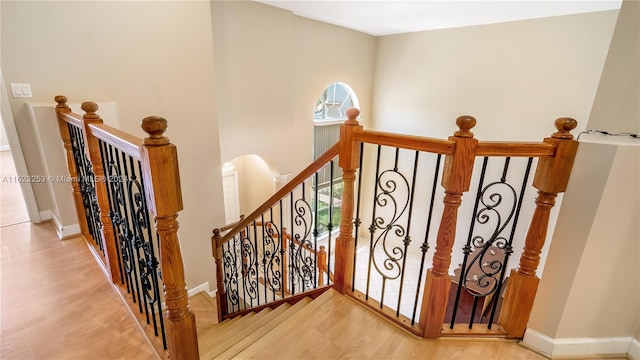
(46, 215)
(5, 148)
(634, 349)
(202, 287)
(63, 232)
(564, 347)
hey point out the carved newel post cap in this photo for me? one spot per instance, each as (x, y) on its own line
(465, 124)
(155, 126)
(61, 99)
(564, 126)
(216, 233)
(352, 115)
(89, 107)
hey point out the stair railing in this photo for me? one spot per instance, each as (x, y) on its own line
(389, 216)
(120, 183)
(387, 274)
(271, 256)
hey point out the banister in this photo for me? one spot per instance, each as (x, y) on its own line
(513, 149)
(290, 186)
(70, 117)
(411, 142)
(128, 143)
(148, 186)
(231, 225)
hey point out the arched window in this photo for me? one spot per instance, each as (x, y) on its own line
(334, 102)
(330, 113)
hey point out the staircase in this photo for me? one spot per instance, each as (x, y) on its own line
(256, 333)
(333, 326)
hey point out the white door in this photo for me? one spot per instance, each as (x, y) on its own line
(231, 197)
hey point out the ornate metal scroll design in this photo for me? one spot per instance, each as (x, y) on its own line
(303, 262)
(394, 197)
(86, 180)
(133, 232)
(230, 268)
(147, 260)
(118, 215)
(272, 257)
(250, 266)
(499, 201)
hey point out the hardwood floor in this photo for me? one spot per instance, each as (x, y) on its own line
(56, 303)
(12, 207)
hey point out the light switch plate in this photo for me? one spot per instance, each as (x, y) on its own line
(21, 90)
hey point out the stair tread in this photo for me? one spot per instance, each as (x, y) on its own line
(211, 336)
(258, 333)
(281, 329)
(221, 344)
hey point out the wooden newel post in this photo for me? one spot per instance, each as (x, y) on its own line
(551, 178)
(322, 265)
(159, 160)
(221, 296)
(61, 109)
(102, 197)
(349, 159)
(456, 179)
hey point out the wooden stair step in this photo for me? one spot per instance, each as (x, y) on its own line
(222, 344)
(285, 329)
(209, 337)
(206, 309)
(260, 332)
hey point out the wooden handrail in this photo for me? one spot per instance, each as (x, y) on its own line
(70, 117)
(290, 186)
(410, 142)
(513, 149)
(125, 142)
(232, 225)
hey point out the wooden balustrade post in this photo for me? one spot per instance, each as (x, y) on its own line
(102, 197)
(551, 178)
(221, 295)
(159, 160)
(349, 159)
(456, 179)
(322, 265)
(63, 108)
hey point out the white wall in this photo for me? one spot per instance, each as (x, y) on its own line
(152, 58)
(4, 142)
(516, 78)
(593, 300)
(255, 181)
(272, 68)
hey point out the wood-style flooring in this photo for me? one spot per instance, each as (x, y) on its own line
(56, 303)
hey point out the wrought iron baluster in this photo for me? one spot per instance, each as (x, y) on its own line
(356, 221)
(425, 244)
(330, 224)
(509, 248)
(283, 252)
(467, 248)
(315, 222)
(257, 261)
(372, 227)
(106, 153)
(407, 238)
(292, 248)
(151, 264)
